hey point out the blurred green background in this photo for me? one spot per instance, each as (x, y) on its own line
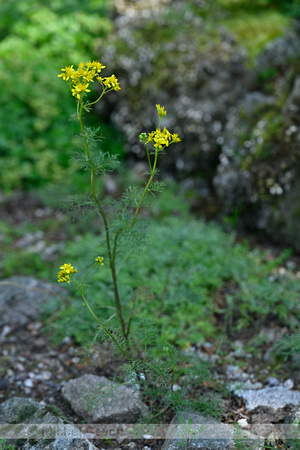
(38, 38)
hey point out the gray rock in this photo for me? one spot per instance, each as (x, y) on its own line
(21, 298)
(289, 383)
(40, 427)
(277, 53)
(294, 417)
(208, 434)
(9, 410)
(292, 105)
(204, 83)
(272, 382)
(99, 400)
(273, 397)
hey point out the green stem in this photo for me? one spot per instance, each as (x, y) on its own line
(148, 156)
(99, 98)
(173, 371)
(146, 188)
(106, 227)
(99, 321)
(87, 274)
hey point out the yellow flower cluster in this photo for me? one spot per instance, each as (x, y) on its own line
(161, 139)
(64, 274)
(99, 260)
(161, 111)
(110, 82)
(80, 79)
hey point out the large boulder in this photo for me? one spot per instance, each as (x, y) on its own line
(21, 298)
(164, 54)
(258, 177)
(193, 430)
(33, 426)
(99, 400)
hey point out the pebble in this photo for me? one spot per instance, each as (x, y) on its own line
(132, 445)
(45, 375)
(236, 373)
(75, 360)
(5, 331)
(272, 381)
(39, 343)
(28, 383)
(243, 423)
(289, 384)
(90, 435)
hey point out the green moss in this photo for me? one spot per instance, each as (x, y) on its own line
(254, 31)
(25, 412)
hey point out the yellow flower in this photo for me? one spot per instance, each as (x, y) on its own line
(84, 75)
(161, 139)
(98, 66)
(89, 75)
(161, 111)
(80, 89)
(64, 274)
(175, 138)
(99, 260)
(68, 73)
(111, 82)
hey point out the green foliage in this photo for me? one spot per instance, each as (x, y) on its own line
(289, 346)
(3, 445)
(210, 405)
(37, 40)
(188, 432)
(24, 263)
(182, 264)
(25, 412)
(240, 442)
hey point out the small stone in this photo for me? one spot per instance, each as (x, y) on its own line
(5, 331)
(39, 343)
(243, 423)
(289, 383)
(45, 375)
(273, 382)
(236, 373)
(28, 383)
